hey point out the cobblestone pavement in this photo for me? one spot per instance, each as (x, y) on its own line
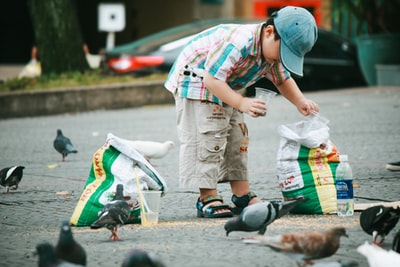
(365, 124)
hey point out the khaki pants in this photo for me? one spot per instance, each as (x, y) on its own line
(213, 143)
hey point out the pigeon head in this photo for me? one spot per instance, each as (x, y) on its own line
(339, 231)
(141, 258)
(66, 233)
(19, 168)
(235, 224)
(119, 194)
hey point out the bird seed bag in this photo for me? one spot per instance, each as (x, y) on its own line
(116, 162)
(306, 166)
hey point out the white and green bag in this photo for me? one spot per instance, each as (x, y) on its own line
(306, 167)
(116, 162)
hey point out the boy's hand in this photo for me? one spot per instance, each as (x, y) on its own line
(253, 106)
(306, 106)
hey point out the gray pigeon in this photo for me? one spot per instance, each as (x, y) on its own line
(141, 258)
(67, 248)
(11, 177)
(258, 216)
(48, 258)
(305, 246)
(114, 214)
(63, 145)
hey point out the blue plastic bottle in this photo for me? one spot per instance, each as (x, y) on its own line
(344, 187)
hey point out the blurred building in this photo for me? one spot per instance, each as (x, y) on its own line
(142, 18)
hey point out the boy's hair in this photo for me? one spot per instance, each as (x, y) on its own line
(270, 21)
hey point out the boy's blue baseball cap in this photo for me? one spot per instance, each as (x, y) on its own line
(298, 31)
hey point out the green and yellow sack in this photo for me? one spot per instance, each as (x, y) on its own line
(116, 162)
(306, 167)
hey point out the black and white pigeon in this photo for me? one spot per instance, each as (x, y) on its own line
(48, 258)
(114, 214)
(303, 247)
(378, 221)
(63, 145)
(11, 177)
(151, 149)
(379, 257)
(141, 258)
(258, 216)
(67, 248)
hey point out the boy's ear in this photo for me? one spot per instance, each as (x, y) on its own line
(268, 30)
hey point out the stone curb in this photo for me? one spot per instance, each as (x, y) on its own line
(84, 98)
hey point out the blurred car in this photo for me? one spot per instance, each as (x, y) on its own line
(332, 63)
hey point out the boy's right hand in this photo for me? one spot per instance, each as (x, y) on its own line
(253, 106)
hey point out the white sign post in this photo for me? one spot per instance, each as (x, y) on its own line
(111, 20)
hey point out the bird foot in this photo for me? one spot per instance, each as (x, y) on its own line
(115, 237)
(376, 243)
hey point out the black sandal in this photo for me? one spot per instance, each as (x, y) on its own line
(241, 202)
(208, 212)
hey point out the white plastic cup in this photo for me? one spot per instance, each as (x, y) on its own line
(266, 95)
(150, 207)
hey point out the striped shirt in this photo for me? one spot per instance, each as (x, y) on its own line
(229, 52)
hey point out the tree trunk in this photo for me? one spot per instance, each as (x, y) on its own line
(58, 36)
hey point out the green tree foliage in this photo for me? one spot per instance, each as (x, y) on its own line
(58, 36)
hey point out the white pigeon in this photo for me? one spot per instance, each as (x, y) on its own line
(379, 257)
(152, 149)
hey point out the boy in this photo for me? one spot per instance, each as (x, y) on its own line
(204, 79)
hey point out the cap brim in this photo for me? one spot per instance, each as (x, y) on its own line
(290, 61)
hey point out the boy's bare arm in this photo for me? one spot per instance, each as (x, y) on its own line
(291, 92)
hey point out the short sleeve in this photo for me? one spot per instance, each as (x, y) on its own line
(222, 59)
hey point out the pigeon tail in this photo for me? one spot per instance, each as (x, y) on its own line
(285, 207)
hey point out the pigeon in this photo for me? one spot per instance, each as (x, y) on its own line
(339, 263)
(378, 221)
(11, 177)
(67, 248)
(48, 258)
(152, 150)
(258, 216)
(114, 214)
(396, 242)
(379, 257)
(63, 145)
(303, 247)
(141, 258)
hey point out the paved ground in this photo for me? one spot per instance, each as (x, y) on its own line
(365, 124)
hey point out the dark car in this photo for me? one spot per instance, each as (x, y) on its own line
(332, 63)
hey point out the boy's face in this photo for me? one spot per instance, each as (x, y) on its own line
(270, 46)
